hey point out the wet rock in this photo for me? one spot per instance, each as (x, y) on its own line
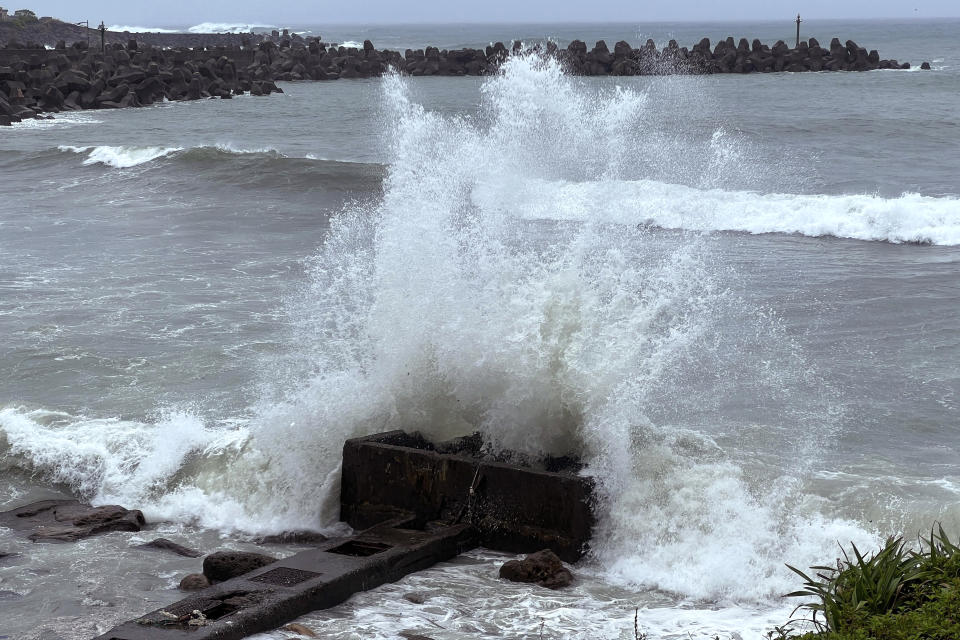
(300, 630)
(925, 65)
(224, 565)
(162, 544)
(413, 635)
(415, 597)
(69, 520)
(194, 582)
(294, 537)
(543, 568)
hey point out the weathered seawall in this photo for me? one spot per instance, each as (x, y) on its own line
(34, 81)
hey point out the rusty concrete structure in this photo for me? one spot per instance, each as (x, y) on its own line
(515, 505)
(414, 504)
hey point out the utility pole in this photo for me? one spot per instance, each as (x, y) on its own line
(103, 37)
(798, 31)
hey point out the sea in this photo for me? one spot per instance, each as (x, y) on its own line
(735, 297)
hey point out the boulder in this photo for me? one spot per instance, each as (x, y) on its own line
(543, 568)
(69, 520)
(415, 597)
(224, 565)
(162, 544)
(300, 630)
(925, 65)
(114, 95)
(194, 582)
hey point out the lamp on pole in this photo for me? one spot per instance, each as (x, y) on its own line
(103, 37)
(85, 23)
(798, 31)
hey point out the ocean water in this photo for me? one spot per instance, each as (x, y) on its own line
(736, 297)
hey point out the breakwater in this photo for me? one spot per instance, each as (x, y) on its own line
(37, 81)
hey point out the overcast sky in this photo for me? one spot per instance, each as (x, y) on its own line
(291, 12)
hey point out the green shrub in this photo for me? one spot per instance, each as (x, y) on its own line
(892, 594)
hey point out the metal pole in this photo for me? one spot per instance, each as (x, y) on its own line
(798, 31)
(103, 38)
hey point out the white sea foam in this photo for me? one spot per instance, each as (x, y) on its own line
(909, 218)
(228, 27)
(121, 28)
(121, 157)
(65, 119)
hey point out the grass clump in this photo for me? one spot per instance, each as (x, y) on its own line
(895, 593)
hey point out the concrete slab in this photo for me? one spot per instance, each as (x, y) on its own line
(316, 579)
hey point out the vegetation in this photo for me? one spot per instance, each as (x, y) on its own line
(894, 593)
(22, 17)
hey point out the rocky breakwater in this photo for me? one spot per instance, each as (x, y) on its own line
(75, 78)
(33, 82)
(727, 56)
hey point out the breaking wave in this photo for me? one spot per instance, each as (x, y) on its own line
(124, 157)
(229, 27)
(910, 218)
(121, 157)
(121, 28)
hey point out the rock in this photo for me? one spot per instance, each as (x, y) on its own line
(293, 537)
(415, 597)
(69, 520)
(925, 65)
(224, 565)
(9, 596)
(162, 544)
(543, 568)
(194, 582)
(413, 635)
(300, 630)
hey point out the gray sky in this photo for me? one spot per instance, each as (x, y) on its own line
(289, 12)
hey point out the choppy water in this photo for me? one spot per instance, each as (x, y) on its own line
(736, 297)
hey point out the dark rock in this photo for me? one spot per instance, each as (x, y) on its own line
(415, 597)
(69, 520)
(194, 582)
(162, 544)
(925, 65)
(413, 635)
(224, 565)
(300, 630)
(543, 568)
(293, 537)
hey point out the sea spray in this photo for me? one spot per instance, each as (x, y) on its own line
(445, 312)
